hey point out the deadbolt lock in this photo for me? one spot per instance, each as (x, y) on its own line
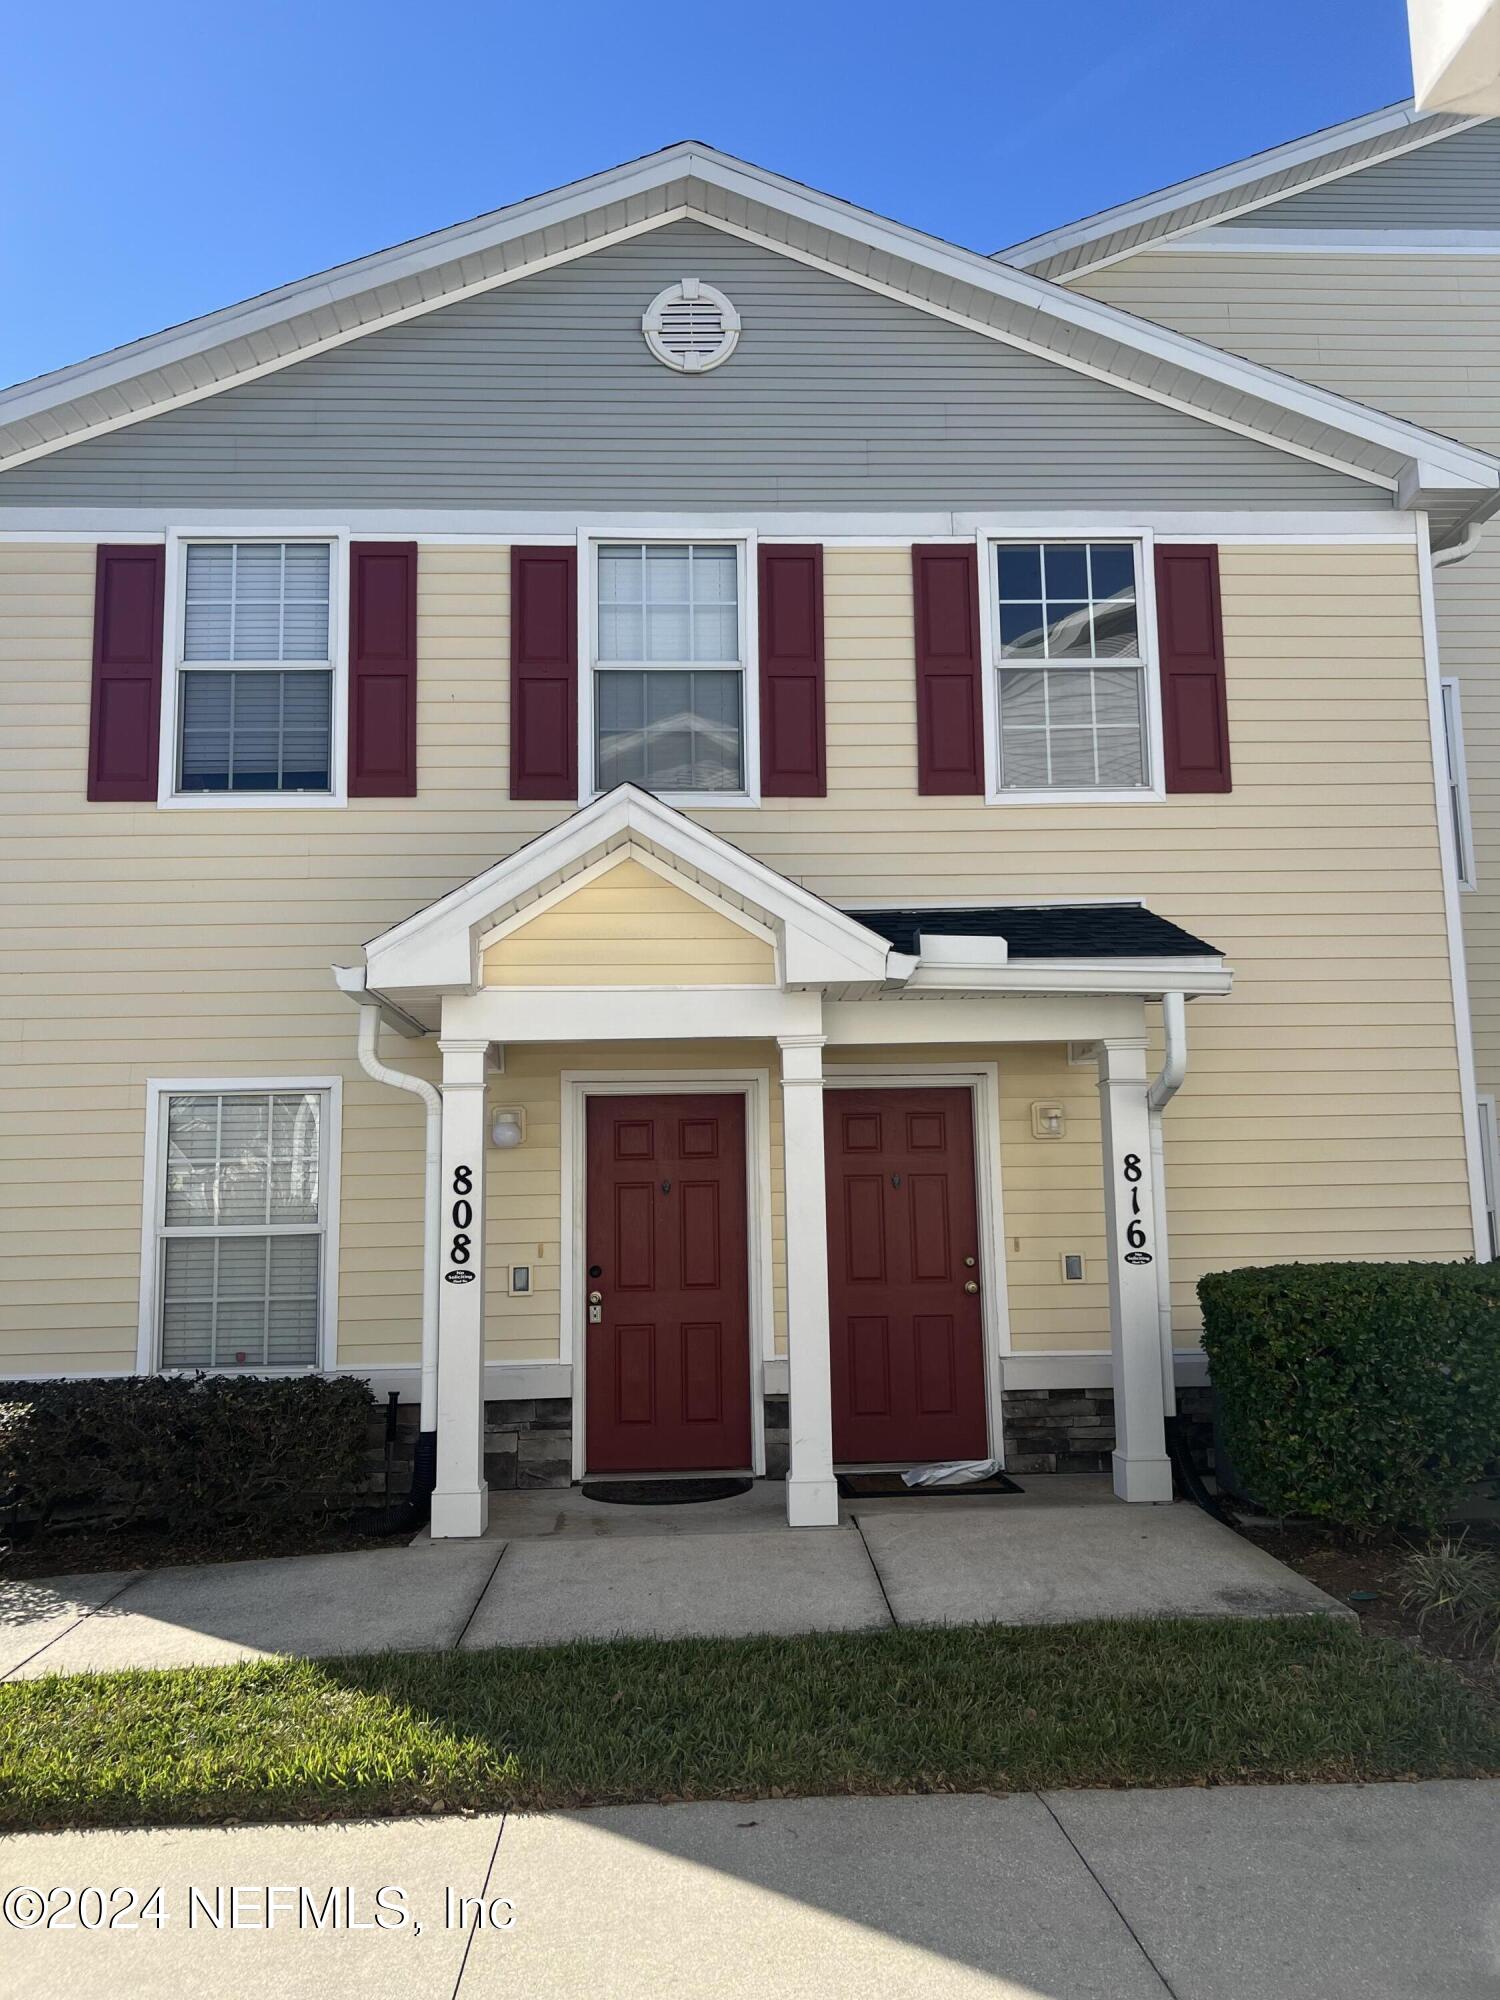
(970, 1262)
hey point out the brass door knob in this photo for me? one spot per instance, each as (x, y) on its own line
(971, 1286)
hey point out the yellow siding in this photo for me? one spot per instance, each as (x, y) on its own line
(630, 927)
(1321, 1116)
(1419, 336)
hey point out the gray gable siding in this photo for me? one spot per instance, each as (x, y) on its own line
(543, 394)
(1450, 184)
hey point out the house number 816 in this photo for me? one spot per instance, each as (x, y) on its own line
(1135, 1230)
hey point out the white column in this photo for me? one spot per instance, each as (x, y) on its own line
(812, 1499)
(1142, 1470)
(460, 1500)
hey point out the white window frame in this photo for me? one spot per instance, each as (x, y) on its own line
(1153, 791)
(153, 1210)
(167, 795)
(1456, 780)
(744, 542)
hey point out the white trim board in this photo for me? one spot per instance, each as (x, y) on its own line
(1088, 1368)
(855, 528)
(1074, 1368)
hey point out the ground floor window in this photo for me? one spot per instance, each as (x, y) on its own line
(241, 1206)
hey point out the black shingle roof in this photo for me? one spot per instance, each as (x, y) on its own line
(1055, 930)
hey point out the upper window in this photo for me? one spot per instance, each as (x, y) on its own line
(1071, 676)
(240, 1228)
(255, 673)
(669, 695)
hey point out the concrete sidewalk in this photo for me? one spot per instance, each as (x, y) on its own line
(1385, 1892)
(561, 1567)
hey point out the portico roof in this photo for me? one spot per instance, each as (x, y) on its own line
(821, 950)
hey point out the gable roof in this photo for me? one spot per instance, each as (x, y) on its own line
(1237, 189)
(240, 343)
(437, 949)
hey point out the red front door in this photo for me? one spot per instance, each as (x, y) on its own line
(668, 1355)
(903, 1277)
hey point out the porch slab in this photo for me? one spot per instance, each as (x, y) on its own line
(566, 1510)
(1041, 1559)
(679, 1586)
(405, 1600)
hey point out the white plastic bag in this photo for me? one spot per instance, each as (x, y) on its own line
(965, 1472)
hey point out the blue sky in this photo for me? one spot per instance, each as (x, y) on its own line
(163, 160)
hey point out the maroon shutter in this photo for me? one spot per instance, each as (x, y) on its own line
(950, 726)
(383, 670)
(790, 612)
(1190, 637)
(544, 673)
(125, 707)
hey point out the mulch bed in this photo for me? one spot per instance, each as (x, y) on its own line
(87, 1550)
(1365, 1575)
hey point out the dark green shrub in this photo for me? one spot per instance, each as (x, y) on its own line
(1363, 1394)
(189, 1451)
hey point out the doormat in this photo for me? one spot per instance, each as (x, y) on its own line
(663, 1492)
(891, 1486)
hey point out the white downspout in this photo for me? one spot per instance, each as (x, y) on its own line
(1466, 544)
(432, 1218)
(1158, 1097)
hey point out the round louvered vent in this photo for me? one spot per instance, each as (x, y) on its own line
(691, 326)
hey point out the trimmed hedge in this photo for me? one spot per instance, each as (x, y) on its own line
(205, 1449)
(1362, 1394)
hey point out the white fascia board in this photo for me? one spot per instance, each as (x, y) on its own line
(436, 951)
(1146, 977)
(1243, 173)
(741, 181)
(342, 282)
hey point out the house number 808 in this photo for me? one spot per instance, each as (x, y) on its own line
(462, 1214)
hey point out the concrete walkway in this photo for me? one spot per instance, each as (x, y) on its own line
(560, 1567)
(1385, 1892)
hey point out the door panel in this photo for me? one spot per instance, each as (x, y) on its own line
(668, 1363)
(903, 1218)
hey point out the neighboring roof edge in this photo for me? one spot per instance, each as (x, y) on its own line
(1116, 929)
(1093, 241)
(278, 328)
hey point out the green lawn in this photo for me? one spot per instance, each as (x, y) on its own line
(1148, 1702)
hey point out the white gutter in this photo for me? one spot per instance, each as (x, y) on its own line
(1466, 544)
(1158, 1097)
(400, 1079)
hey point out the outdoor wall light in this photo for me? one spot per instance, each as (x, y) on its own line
(508, 1129)
(1048, 1121)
